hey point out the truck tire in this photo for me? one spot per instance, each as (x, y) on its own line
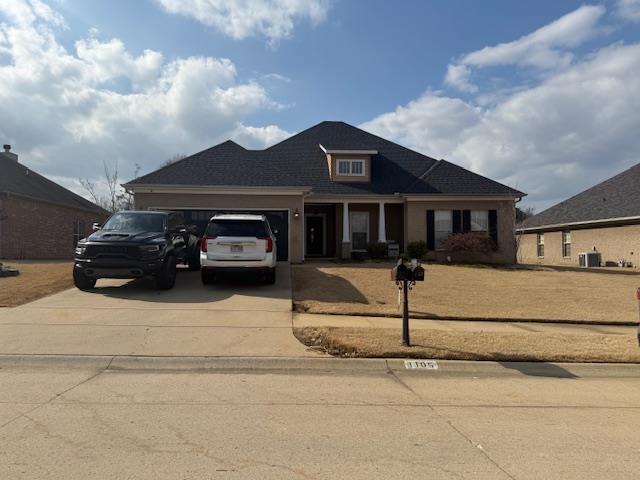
(81, 281)
(166, 278)
(194, 261)
(270, 277)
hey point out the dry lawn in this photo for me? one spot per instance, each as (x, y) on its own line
(468, 292)
(475, 345)
(37, 279)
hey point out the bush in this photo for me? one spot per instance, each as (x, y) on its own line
(377, 250)
(417, 249)
(475, 242)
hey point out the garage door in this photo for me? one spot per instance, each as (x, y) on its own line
(278, 219)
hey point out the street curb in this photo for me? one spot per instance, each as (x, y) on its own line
(298, 365)
(420, 316)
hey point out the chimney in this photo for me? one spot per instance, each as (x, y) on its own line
(8, 154)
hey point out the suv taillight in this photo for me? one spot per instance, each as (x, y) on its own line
(269, 246)
(203, 243)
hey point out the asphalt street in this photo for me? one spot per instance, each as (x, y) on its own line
(119, 417)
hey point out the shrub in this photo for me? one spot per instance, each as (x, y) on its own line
(417, 249)
(475, 242)
(377, 250)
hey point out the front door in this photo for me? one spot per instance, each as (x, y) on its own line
(314, 235)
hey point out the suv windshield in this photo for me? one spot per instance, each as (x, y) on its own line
(237, 228)
(133, 222)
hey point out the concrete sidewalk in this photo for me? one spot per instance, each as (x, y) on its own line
(301, 320)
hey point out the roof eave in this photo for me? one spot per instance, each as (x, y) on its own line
(582, 223)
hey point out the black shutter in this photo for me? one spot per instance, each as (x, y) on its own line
(493, 225)
(431, 230)
(456, 217)
(466, 221)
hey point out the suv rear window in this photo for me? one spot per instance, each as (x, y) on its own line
(237, 228)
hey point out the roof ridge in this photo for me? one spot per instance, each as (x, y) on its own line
(425, 173)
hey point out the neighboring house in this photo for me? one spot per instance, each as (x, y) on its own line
(604, 218)
(333, 189)
(39, 219)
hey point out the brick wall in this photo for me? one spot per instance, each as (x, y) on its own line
(37, 230)
(613, 243)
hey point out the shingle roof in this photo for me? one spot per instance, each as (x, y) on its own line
(299, 161)
(17, 179)
(618, 197)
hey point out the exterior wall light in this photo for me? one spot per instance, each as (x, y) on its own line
(296, 213)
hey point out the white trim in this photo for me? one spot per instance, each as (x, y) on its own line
(584, 222)
(348, 152)
(351, 214)
(324, 232)
(219, 190)
(382, 223)
(334, 199)
(288, 210)
(453, 198)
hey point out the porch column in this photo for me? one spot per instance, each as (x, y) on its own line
(382, 227)
(346, 234)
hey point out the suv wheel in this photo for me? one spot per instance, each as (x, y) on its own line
(207, 277)
(81, 281)
(270, 277)
(166, 278)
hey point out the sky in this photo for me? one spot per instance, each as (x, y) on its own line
(543, 96)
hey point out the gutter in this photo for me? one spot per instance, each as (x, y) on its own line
(585, 223)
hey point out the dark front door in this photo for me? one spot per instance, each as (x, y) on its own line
(314, 235)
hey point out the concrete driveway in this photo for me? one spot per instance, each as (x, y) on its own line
(238, 317)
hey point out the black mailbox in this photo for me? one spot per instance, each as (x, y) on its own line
(400, 272)
(417, 274)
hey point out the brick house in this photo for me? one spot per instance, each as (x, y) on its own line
(334, 189)
(39, 219)
(604, 218)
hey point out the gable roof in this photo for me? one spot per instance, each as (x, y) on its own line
(17, 179)
(300, 161)
(615, 198)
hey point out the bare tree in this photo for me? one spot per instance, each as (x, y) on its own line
(523, 213)
(116, 197)
(172, 160)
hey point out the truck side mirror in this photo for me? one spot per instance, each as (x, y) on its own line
(96, 226)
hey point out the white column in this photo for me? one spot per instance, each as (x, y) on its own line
(382, 226)
(346, 236)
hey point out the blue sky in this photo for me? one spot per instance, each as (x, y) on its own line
(540, 95)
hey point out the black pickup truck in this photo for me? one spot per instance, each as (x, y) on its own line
(134, 244)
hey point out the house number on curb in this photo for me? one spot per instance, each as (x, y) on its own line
(422, 364)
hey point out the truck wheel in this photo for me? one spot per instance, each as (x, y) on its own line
(166, 278)
(207, 277)
(194, 261)
(270, 277)
(81, 281)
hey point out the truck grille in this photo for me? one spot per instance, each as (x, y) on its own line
(123, 251)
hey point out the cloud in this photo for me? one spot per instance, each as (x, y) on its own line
(239, 19)
(628, 10)
(573, 129)
(545, 48)
(65, 112)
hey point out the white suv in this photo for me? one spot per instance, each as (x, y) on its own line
(238, 243)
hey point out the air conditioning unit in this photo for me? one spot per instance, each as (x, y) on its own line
(589, 259)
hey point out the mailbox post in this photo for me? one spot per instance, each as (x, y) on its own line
(405, 277)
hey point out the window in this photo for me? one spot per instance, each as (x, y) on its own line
(351, 168)
(359, 230)
(131, 222)
(443, 225)
(479, 220)
(566, 244)
(237, 228)
(541, 245)
(78, 232)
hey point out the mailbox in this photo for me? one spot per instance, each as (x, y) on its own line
(400, 273)
(417, 274)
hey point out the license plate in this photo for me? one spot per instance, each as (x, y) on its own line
(236, 248)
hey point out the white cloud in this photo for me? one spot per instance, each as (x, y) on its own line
(575, 128)
(239, 19)
(545, 48)
(65, 112)
(629, 10)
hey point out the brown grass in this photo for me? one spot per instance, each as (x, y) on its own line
(476, 345)
(37, 279)
(470, 292)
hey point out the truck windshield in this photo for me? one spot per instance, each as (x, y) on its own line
(237, 228)
(130, 222)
